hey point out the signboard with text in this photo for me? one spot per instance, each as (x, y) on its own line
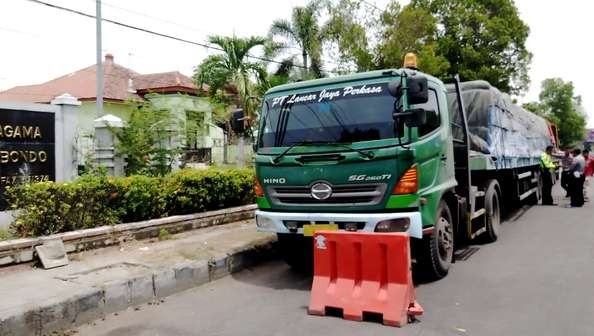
(27, 148)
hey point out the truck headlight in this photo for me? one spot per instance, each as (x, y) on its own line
(393, 225)
(265, 223)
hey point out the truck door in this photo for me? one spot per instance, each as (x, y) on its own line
(431, 149)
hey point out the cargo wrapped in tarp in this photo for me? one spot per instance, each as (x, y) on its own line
(511, 135)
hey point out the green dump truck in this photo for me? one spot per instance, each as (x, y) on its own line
(395, 150)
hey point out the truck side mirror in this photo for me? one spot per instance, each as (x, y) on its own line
(418, 91)
(394, 88)
(237, 121)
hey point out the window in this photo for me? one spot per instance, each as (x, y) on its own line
(433, 117)
(344, 117)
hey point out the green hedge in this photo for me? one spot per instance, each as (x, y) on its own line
(91, 201)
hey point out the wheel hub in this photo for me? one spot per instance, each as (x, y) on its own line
(445, 239)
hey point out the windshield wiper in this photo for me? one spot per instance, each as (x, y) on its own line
(275, 160)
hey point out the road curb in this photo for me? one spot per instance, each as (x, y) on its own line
(96, 302)
(22, 250)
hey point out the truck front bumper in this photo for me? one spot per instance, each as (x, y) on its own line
(267, 221)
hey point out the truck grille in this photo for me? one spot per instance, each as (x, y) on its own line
(345, 194)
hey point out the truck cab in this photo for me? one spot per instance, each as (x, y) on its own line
(368, 152)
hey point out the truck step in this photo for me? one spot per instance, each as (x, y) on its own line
(528, 193)
(478, 213)
(479, 194)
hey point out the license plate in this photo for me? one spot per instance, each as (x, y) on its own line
(310, 229)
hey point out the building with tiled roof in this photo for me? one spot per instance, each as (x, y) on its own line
(120, 84)
(171, 91)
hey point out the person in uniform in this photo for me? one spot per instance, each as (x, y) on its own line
(577, 179)
(565, 175)
(547, 169)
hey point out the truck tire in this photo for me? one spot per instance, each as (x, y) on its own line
(296, 250)
(492, 212)
(437, 249)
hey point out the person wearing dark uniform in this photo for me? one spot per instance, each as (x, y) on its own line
(566, 162)
(577, 180)
(547, 169)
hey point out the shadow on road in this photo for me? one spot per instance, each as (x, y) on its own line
(276, 275)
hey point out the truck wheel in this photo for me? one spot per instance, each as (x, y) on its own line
(437, 249)
(296, 250)
(492, 212)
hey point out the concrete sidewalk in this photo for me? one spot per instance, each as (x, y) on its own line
(99, 282)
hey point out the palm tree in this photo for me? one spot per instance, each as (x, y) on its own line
(232, 67)
(304, 31)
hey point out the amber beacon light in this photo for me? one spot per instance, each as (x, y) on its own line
(410, 61)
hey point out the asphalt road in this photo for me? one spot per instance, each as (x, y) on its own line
(537, 279)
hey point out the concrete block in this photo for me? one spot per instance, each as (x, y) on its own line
(200, 272)
(116, 296)
(165, 283)
(70, 247)
(63, 313)
(57, 315)
(184, 276)
(52, 254)
(7, 260)
(217, 267)
(20, 323)
(90, 306)
(240, 260)
(142, 289)
(25, 256)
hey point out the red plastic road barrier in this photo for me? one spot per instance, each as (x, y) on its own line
(363, 273)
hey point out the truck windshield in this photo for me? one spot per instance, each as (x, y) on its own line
(344, 115)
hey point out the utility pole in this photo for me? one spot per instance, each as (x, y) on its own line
(99, 62)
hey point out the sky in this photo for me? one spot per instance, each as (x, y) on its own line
(41, 43)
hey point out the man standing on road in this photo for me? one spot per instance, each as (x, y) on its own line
(547, 169)
(565, 175)
(577, 179)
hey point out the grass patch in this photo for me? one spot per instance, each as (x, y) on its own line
(6, 235)
(164, 235)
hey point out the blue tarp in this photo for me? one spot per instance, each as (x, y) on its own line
(498, 127)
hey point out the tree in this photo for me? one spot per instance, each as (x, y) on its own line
(348, 32)
(409, 29)
(304, 31)
(378, 39)
(482, 39)
(283, 75)
(559, 105)
(143, 142)
(232, 68)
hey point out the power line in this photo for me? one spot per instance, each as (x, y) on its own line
(372, 5)
(151, 17)
(182, 25)
(204, 45)
(18, 31)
